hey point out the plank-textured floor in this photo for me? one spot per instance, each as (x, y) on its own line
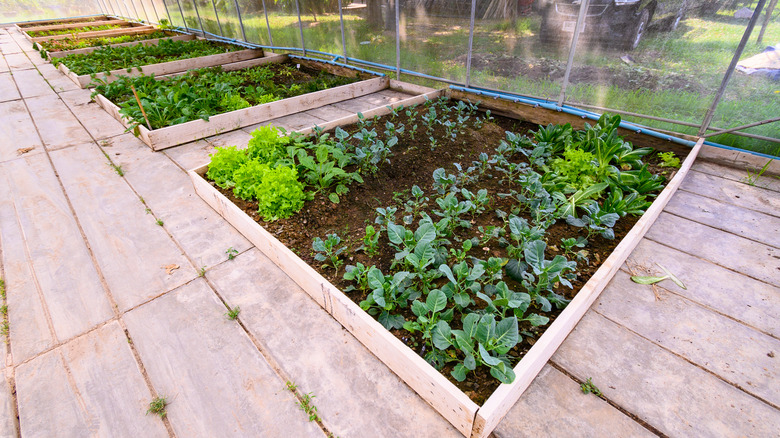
(108, 309)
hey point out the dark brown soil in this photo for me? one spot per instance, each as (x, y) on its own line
(414, 163)
(553, 70)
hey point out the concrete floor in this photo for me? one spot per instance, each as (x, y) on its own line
(107, 309)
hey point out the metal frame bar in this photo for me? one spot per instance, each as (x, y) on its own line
(100, 7)
(146, 14)
(731, 67)
(184, 20)
(135, 11)
(167, 12)
(216, 14)
(197, 13)
(397, 39)
(126, 9)
(343, 37)
(471, 42)
(574, 40)
(300, 25)
(240, 20)
(156, 15)
(268, 25)
(118, 9)
(739, 128)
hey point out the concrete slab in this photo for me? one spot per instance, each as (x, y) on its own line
(732, 192)
(353, 387)
(743, 222)
(56, 125)
(7, 414)
(32, 84)
(59, 254)
(10, 47)
(97, 121)
(662, 389)
(18, 61)
(19, 132)
(58, 81)
(48, 404)
(3, 65)
(750, 301)
(35, 57)
(754, 259)
(575, 413)
(191, 155)
(734, 174)
(131, 249)
(77, 97)
(217, 381)
(168, 191)
(29, 328)
(8, 89)
(736, 353)
(290, 123)
(108, 380)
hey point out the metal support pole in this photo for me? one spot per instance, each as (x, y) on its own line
(114, 11)
(397, 40)
(268, 25)
(343, 38)
(154, 9)
(146, 14)
(769, 10)
(135, 11)
(184, 20)
(241, 21)
(300, 26)
(127, 9)
(118, 9)
(739, 128)
(100, 6)
(471, 42)
(202, 29)
(574, 39)
(216, 14)
(732, 66)
(167, 12)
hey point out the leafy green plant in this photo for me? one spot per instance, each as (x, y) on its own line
(588, 387)
(232, 313)
(388, 294)
(157, 406)
(370, 241)
(668, 159)
(596, 221)
(752, 177)
(428, 315)
(231, 253)
(280, 194)
(543, 275)
(463, 282)
(328, 250)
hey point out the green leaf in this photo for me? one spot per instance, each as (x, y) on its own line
(537, 320)
(375, 278)
(395, 233)
(334, 198)
(419, 309)
(486, 357)
(470, 323)
(436, 301)
(672, 277)
(647, 279)
(469, 362)
(534, 254)
(503, 373)
(507, 333)
(441, 335)
(459, 372)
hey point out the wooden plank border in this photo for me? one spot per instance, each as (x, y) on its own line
(163, 138)
(165, 68)
(27, 25)
(447, 400)
(154, 41)
(76, 25)
(134, 29)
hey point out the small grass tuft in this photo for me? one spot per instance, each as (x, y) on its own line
(589, 388)
(157, 406)
(232, 314)
(117, 169)
(231, 253)
(160, 222)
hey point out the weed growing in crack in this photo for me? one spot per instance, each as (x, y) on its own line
(232, 314)
(589, 388)
(117, 169)
(202, 272)
(231, 253)
(160, 222)
(157, 406)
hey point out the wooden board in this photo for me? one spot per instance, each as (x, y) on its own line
(385, 346)
(23, 26)
(165, 68)
(64, 53)
(135, 29)
(76, 25)
(163, 138)
(497, 405)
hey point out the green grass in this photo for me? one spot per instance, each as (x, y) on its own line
(699, 52)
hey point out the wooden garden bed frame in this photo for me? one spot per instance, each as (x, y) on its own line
(182, 133)
(470, 419)
(63, 53)
(77, 25)
(26, 25)
(165, 68)
(130, 29)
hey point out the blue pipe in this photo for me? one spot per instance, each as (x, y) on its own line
(573, 111)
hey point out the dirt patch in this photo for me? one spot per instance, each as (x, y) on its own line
(629, 77)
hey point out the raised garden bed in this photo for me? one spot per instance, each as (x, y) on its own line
(79, 46)
(171, 135)
(56, 21)
(468, 417)
(185, 55)
(89, 31)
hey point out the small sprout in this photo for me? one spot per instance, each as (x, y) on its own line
(157, 406)
(669, 160)
(202, 272)
(160, 222)
(117, 169)
(307, 406)
(231, 253)
(148, 210)
(291, 386)
(232, 314)
(589, 388)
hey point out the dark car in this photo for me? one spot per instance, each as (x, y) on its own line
(615, 23)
